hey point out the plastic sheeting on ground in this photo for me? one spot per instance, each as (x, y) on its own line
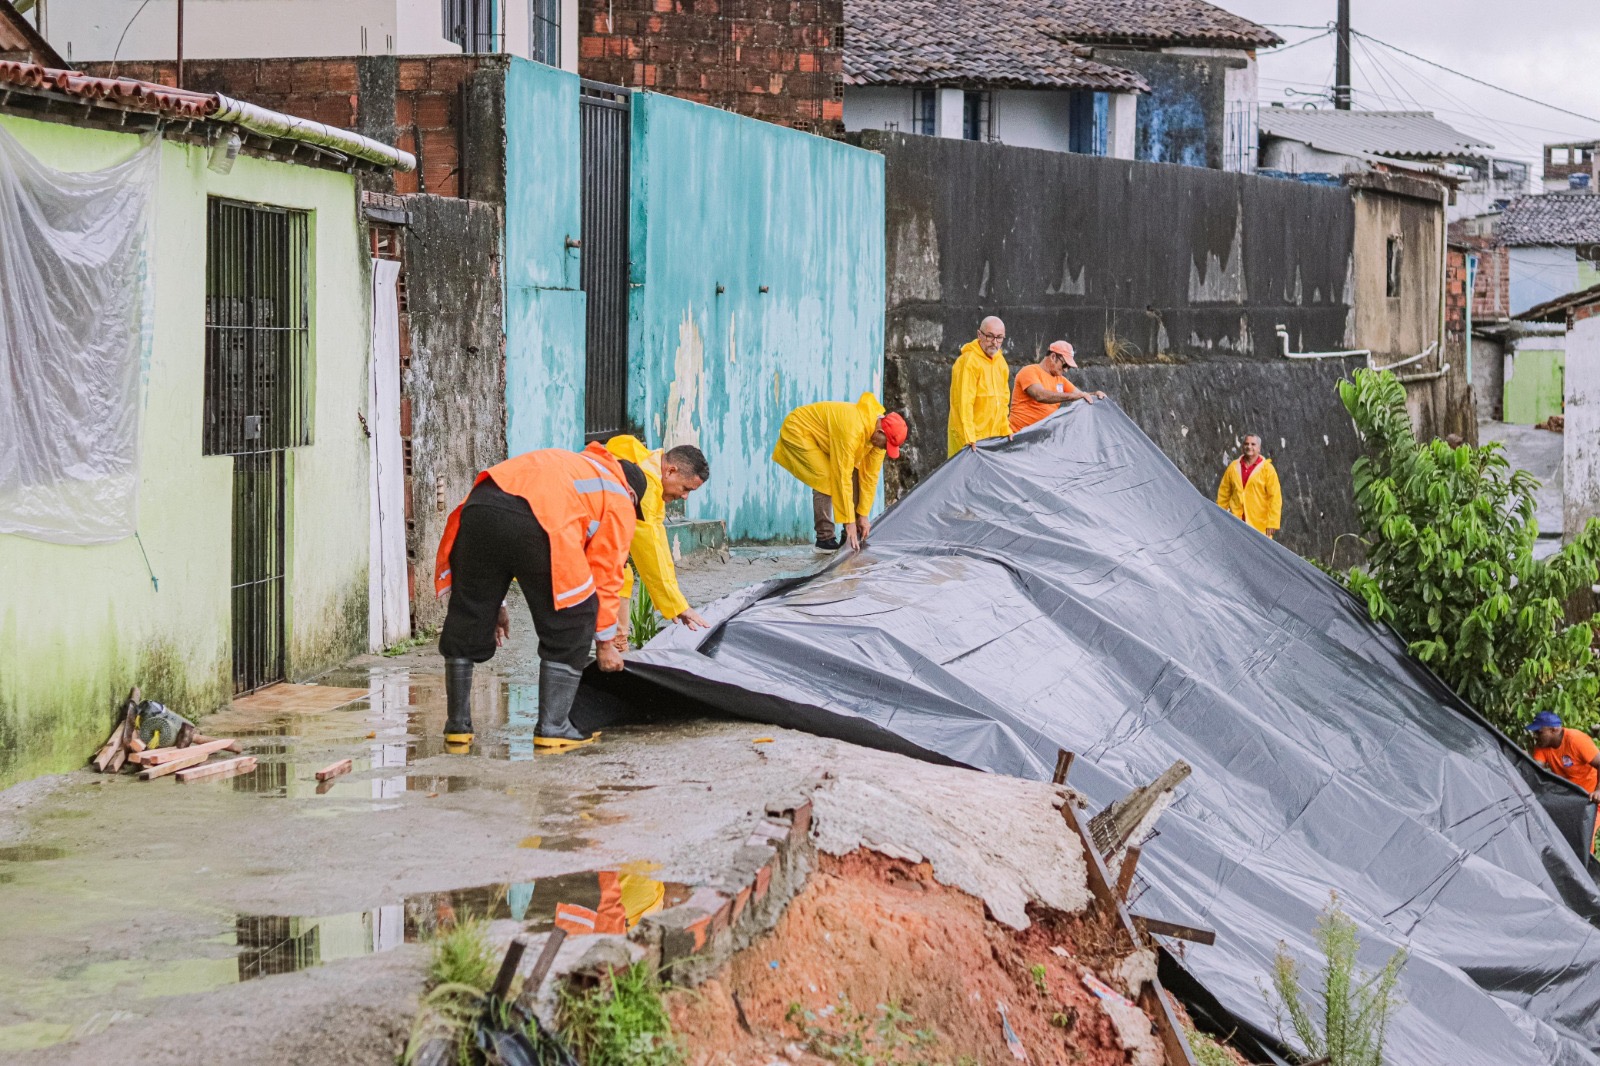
(73, 279)
(1070, 589)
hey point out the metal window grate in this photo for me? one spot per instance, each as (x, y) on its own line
(258, 570)
(257, 374)
(604, 112)
(544, 31)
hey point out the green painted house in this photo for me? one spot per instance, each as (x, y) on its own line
(184, 474)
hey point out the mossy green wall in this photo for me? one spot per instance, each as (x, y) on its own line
(79, 625)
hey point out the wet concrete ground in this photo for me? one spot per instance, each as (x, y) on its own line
(145, 921)
(1537, 451)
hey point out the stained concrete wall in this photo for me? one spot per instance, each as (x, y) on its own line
(1181, 119)
(80, 625)
(544, 307)
(456, 375)
(1580, 439)
(757, 286)
(1170, 281)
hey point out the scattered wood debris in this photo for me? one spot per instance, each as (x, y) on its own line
(329, 772)
(188, 751)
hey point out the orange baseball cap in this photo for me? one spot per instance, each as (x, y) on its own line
(1064, 350)
(894, 431)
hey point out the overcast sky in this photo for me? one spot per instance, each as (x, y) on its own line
(1545, 49)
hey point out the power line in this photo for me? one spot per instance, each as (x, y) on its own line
(1476, 81)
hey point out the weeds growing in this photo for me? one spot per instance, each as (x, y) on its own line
(1355, 1005)
(854, 1038)
(460, 974)
(643, 621)
(620, 1022)
(1207, 1052)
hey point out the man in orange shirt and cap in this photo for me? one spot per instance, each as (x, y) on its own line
(1569, 754)
(560, 523)
(1042, 388)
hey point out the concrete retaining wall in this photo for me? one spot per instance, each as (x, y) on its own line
(1170, 281)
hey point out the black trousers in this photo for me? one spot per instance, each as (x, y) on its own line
(494, 544)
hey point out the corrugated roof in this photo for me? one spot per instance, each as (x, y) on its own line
(1556, 310)
(967, 42)
(125, 94)
(1551, 218)
(1391, 133)
(1152, 22)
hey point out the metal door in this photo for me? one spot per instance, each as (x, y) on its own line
(258, 572)
(603, 112)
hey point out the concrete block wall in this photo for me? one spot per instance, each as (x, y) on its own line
(776, 60)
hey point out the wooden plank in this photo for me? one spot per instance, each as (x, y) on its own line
(508, 967)
(217, 770)
(1063, 766)
(1173, 1040)
(340, 767)
(188, 757)
(1130, 862)
(233, 745)
(160, 756)
(1182, 932)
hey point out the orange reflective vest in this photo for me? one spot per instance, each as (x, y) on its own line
(581, 500)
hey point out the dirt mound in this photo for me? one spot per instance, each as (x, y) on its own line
(874, 956)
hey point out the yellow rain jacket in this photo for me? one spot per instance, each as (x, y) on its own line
(650, 552)
(1260, 502)
(980, 397)
(826, 444)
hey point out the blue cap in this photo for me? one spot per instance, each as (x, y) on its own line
(1544, 719)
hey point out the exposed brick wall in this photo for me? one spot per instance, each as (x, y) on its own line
(777, 60)
(422, 110)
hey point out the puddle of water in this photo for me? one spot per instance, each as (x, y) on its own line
(31, 853)
(273, 944)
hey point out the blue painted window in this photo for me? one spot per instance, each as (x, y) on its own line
(1088, 114)
(925, 112)
(976, 115)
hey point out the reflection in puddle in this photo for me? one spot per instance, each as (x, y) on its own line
(584, 902)
(31, 853)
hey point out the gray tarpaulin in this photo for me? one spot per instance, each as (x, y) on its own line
(1070, 589)
(73, 282)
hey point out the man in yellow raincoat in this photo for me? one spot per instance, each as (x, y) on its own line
(669, 475)
(980, 389)
(1250, 489)
(837, 449)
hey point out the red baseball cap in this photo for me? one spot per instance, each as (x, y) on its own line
(1064, 350)
(894, 432)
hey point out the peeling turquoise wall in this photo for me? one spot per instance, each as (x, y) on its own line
(544, 307)
(723, 200)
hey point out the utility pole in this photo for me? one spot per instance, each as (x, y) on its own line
(180, 42)
(1341, 72)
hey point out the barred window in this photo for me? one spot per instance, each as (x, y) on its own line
(258, 329)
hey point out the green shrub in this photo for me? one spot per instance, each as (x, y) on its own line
(1450, 535)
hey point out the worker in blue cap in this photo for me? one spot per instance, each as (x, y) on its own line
(1567, 753)
(1570, 754)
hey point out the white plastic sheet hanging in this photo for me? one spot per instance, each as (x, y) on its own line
(73, 283)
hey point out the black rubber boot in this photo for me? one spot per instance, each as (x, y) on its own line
(458, 700)
(558, 691)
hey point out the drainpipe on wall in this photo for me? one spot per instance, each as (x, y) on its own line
(1283, 340)
(1472, 289)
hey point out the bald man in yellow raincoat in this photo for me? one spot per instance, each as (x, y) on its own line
(837, 449)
